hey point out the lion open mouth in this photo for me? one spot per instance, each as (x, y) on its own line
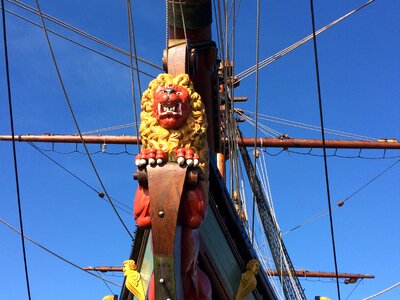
(168, 108)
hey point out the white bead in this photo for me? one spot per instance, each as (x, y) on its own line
(181, 161)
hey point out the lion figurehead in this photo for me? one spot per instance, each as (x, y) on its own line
(173, 116)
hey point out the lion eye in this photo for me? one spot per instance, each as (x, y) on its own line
(178, 93)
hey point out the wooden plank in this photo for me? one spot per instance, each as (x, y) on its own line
(221, 254)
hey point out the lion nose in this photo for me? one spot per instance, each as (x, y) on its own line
(169, 90)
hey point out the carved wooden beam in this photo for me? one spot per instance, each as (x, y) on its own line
(165, 190)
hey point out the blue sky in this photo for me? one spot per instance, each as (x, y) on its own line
(360, 71)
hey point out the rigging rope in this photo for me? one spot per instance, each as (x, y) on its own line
(384, 291)
(263, 128)
(10, 107)
(184, 30)
(266, 260)
(217, 29)
(323, 146)
(131, 36)
(256, 111)
(287, 122)
(135, 53)
(105, 282)
(267, 188)
(263, 176)
(221, 35)
(127, 209)
(330, 155)
(235, 145)
(372, 180)
(229, 102)
(183, 20)
(76, 122)
(225, 127)
(245, 114)
(77, 31)
(102, 150)
(55, 254)
(354, 288)
(116, 127)
(324, 213)
(76, 43)
(174, 17)
(235, 11)
(246, 73)
(291, 285)
(167, 30)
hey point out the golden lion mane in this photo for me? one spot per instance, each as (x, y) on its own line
(191, 135)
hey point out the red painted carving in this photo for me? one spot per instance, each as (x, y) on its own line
(194, 207)
(174, 129)
(141, 208)
(171, 106)
(150, 156)
(196, 284)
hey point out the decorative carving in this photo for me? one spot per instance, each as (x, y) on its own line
(173, 129)
(171, 105)
(248, 281)
(173, 117)
(133, 281)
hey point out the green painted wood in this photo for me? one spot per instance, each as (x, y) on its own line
(219, 250)
(221, 254)
(147, 266)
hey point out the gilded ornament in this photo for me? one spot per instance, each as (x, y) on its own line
(133, 281)
(248, 281)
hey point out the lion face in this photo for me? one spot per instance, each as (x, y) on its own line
(173, 116)
(171, 105)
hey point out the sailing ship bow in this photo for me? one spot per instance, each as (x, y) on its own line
(178, 252)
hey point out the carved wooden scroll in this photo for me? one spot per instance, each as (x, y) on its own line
(133, 281)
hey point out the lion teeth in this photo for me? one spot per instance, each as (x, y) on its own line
(175, 109)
